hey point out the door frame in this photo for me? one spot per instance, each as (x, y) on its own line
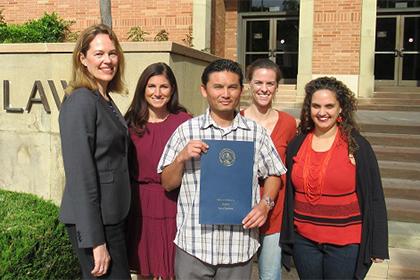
(398, 61)
(243, 18)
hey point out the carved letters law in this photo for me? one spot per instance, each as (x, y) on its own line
(36, 96)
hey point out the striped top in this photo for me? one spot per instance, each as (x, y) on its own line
(335, 217)
(217, 244)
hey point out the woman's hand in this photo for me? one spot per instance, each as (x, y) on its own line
(102, 259)
(377, 260)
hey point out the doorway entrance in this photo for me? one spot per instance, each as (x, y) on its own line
(274, 38)
(397, 50)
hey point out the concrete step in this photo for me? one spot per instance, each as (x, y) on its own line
(403, 95)
(403, 210)
(395, 89)
(403, 264)
(400, 170)
(392, 128)
(403, 140)
(390, 107)
(395, 153)
(404, 235)
(389, 101)
(401, 188)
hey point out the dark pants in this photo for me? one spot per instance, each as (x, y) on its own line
(191, 268)
(116, 245)
(324, 261)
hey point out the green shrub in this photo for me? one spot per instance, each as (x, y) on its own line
(49, 28)
(33, 244)
(137, 34)
(162, 35)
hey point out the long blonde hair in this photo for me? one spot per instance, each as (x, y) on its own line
(81, 77)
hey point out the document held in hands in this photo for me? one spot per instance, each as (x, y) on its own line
(226, 182)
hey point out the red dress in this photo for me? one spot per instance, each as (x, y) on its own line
(152, 221)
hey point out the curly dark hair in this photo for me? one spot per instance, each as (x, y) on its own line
(347, 101)
(138, 113)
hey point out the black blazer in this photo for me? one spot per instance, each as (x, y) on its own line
(374, 243)
(94, 141)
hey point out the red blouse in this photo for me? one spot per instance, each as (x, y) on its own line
(326, 211)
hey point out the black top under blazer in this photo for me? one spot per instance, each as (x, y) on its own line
(374, 243)
(94, 141)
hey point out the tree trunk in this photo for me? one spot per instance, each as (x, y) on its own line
(106, 17)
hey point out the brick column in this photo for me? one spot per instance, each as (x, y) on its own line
(337, 40)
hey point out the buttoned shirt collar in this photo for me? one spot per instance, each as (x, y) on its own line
(237, 121)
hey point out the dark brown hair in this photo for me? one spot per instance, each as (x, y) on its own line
(347, 101)
(138, 113)
(263, 63)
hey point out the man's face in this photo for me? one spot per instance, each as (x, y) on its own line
(223, 92)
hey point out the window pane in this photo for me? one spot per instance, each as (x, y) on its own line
(288, 64)
(385, 34)
(384, 66)
(257, 36)
(287, 35)
(411, 67)
(399, 4)
(411, 34)
(268, 6)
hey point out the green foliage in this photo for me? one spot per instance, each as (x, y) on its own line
(162, 35)
(188, 40)
(33, 244)
(50, 28)
(2, 21)
(137, 34)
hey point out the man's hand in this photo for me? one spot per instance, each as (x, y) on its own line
(257, 216)
(171, 176)
(102, 260)
(193, 149)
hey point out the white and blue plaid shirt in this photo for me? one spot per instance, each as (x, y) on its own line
(217, 244)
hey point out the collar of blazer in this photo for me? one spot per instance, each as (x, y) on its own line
(114, 111)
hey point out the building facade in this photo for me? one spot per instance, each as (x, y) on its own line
(364, 43)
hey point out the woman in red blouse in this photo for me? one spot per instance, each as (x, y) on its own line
(334, 193)
(264, 76)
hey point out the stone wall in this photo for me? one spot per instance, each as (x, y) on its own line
(30, 153)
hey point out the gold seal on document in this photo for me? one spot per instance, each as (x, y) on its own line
(227, 157)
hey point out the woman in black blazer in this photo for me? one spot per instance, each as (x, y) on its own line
(94, 141)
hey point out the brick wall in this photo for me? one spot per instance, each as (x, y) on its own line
(231, 30)
(152, 15)
(336, 34)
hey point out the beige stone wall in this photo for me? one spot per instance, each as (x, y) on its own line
(30, 153)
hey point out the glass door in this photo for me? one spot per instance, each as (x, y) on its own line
(397, 55)
(273, 38)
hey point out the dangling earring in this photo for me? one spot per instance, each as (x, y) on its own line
(339, 119)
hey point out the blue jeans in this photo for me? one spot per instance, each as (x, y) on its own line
(269, 259)
(324, 261)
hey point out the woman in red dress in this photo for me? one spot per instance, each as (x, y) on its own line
(152, 117)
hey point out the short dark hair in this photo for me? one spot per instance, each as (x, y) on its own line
(138, 113)
(221, 65)
(263, 63)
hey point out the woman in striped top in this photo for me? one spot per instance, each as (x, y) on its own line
(334, 222)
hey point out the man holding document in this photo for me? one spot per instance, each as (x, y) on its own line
(217, 159)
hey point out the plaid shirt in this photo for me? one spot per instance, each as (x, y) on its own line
(217, 244)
